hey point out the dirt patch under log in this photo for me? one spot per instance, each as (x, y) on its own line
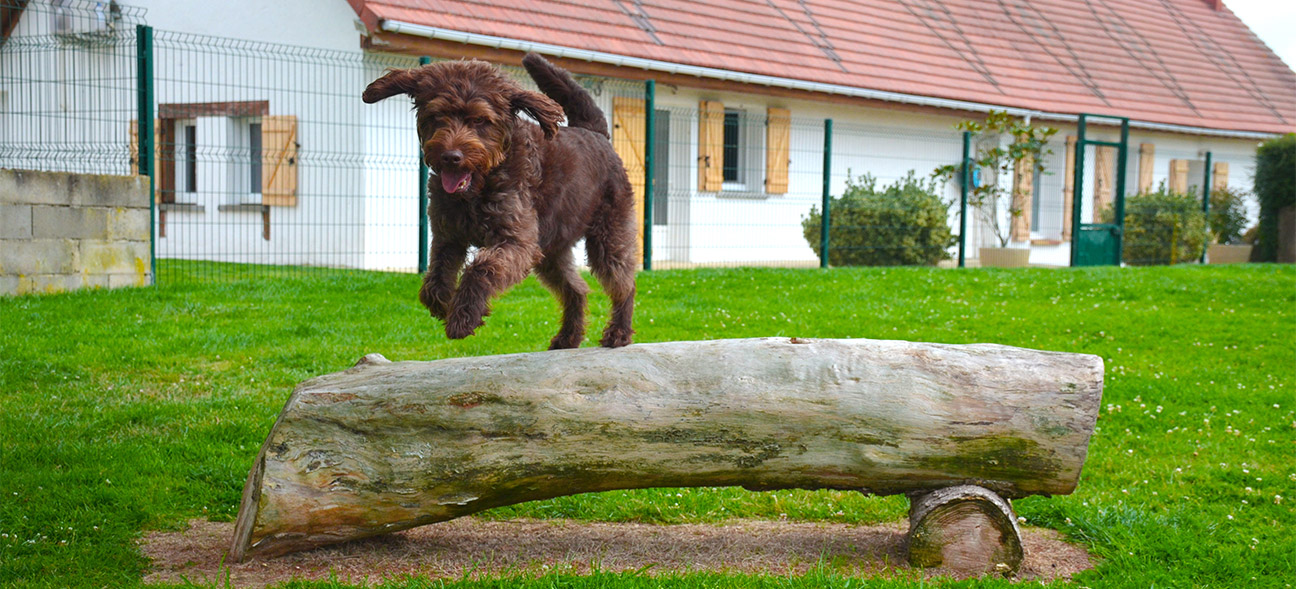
(477, 547)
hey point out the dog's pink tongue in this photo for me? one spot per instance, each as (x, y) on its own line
(454, 182)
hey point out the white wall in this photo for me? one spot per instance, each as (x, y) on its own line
(356, 192)
(322, 24)
(754, 227)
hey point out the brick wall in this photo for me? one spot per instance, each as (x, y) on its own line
(61, 232)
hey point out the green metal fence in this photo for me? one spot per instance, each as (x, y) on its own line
(67, 86)
(263, 158)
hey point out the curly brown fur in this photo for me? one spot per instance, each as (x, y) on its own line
(523, 194)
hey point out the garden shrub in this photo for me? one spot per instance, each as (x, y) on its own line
(1227, 218)
(903, 224)
(1275, 187)
(1162, 227)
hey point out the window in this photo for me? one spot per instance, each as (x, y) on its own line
(732, 150)
(732, 145)
(254, 158)
(186, 156)
(260, 151)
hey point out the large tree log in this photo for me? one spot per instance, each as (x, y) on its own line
(389, 446)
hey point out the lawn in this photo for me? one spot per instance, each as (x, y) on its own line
(134, 410)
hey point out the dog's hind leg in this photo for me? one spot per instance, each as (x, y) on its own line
(612, 257)
(558, 272)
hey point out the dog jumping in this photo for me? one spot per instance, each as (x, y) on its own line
(522, 194)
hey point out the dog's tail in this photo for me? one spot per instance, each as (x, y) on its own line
(559, 85)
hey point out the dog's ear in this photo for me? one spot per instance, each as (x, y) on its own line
(539, 107)
(392, 83)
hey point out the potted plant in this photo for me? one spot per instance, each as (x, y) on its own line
(994, 161)
(1226, 220)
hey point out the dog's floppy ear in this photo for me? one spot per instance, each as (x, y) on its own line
(539, 107)
(392, 83)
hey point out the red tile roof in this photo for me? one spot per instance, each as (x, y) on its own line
(1178, 62)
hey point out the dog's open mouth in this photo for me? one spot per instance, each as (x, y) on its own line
(454, 182)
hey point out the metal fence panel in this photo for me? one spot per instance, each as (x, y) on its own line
(67, 87)
(268, 161)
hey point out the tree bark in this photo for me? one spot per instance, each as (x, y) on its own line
(967, 529)
(389, 446)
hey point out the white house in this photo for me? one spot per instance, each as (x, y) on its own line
(742, 92)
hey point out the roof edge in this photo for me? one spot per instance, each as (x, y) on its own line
(429, 32)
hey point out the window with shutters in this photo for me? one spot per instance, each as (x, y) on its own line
(199, 144)
(741, 153)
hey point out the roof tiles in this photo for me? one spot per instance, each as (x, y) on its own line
(1176, 62)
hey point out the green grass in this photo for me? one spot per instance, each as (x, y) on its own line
(133, 410)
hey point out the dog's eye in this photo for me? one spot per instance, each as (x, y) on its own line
(476, 121)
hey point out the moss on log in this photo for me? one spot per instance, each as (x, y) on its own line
(389, 446)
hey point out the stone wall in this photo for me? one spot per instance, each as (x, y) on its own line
(61, 232)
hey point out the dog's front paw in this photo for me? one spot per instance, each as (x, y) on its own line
(437, 303)
(462, 325)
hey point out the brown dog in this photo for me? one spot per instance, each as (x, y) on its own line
(523, 194)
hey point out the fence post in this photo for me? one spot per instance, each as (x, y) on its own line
(650, 146)
(1206, 194)
(826, 221)
(1119, 196)
(965, 180)
(1077, 190)
(423, 201)
(145, 131)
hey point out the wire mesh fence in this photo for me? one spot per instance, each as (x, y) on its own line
(265, 160)
(67, 85)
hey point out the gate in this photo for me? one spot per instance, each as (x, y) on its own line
(1099, 244)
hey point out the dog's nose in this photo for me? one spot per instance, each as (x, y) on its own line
(452, 158)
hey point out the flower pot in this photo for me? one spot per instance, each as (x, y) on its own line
(1004, 257)
(1228, 254)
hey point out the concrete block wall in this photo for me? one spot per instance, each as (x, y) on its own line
(61, 232)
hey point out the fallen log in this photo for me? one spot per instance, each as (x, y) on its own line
(389, 446)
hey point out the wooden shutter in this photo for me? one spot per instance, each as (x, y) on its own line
(134, 150)
(710, 146)
(1104, 174)
(279, 170)
(1068, 186)
(1147, 159)
(628, 140)
(1219, 176)
(1022, 197)
(778, 138)
(1179, 176)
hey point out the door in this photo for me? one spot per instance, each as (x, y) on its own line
(1096, 243)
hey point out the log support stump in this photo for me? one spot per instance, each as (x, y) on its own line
(966, 529)
(388, 446)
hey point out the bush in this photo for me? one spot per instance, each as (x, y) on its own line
(1227, 218)
(1162, 227)
(1275, 187)
(904, 224)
